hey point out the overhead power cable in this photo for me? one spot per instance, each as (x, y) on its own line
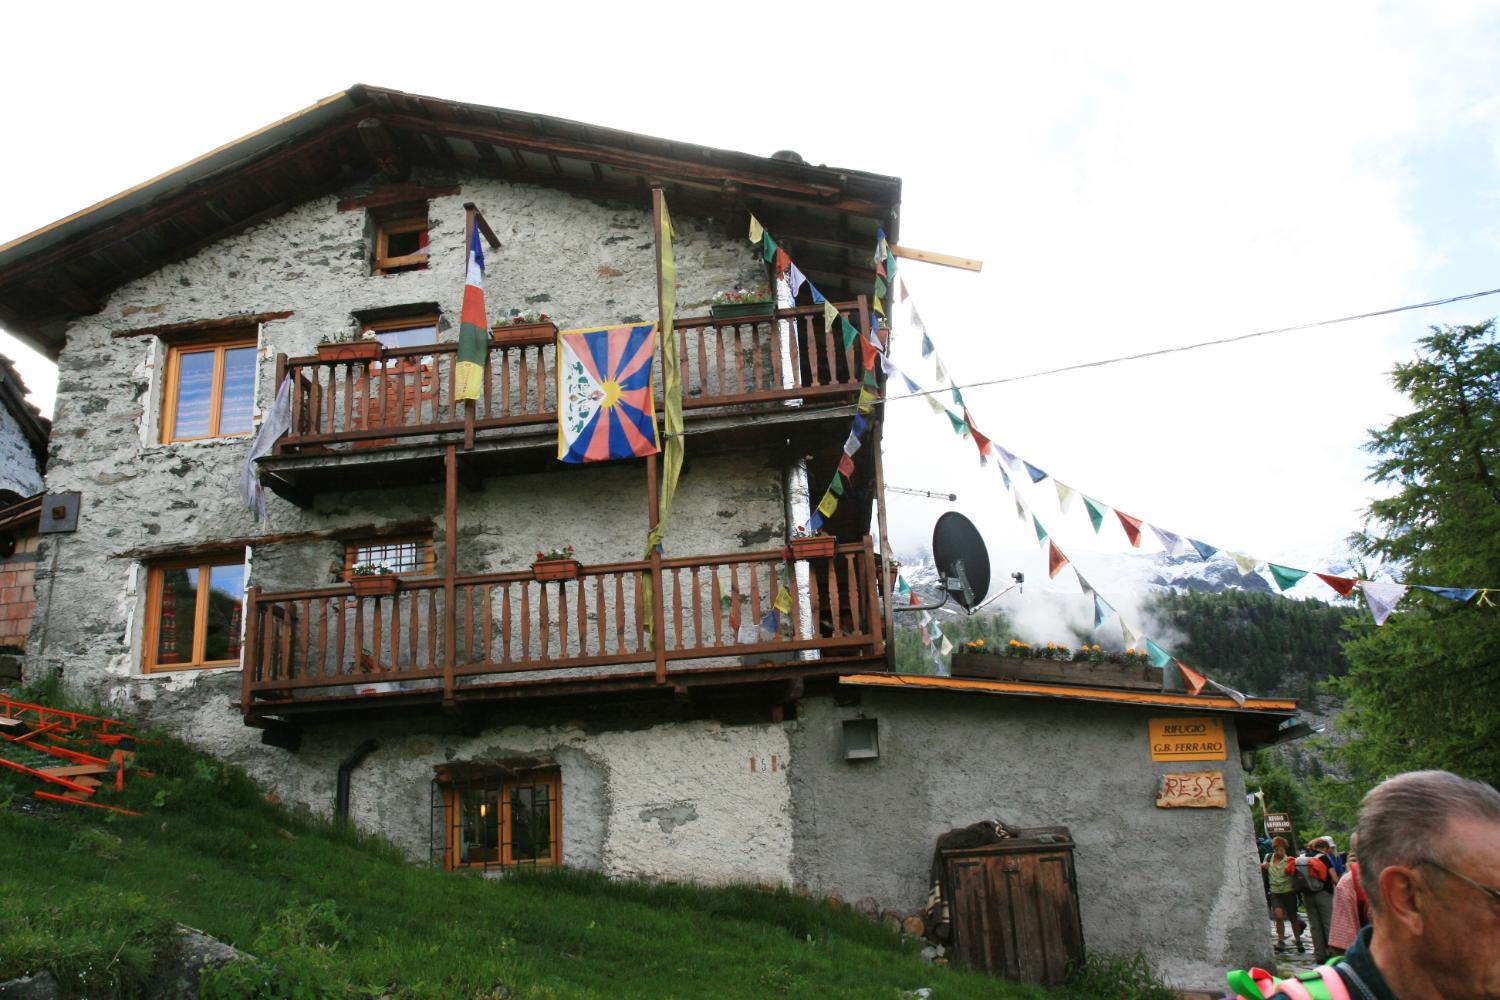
(1102, 362)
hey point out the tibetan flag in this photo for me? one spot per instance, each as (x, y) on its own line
(1194, 681)
(1037, 475)
(1055, 559)
(473, 331)
(1096, 512)
(1343, 584)
(1159, 657)
(1382, 598)
(607, 409)
(1459, 594)
(1206, 551)
(1286, 577)
(1132, 526)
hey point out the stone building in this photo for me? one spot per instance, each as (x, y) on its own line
(475, 714)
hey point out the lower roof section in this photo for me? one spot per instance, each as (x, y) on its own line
(1259, 720)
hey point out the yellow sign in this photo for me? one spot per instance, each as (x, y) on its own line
(1187, 739)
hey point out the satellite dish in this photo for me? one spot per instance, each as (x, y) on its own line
(962, 561)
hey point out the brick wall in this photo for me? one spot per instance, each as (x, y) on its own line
(17, 593)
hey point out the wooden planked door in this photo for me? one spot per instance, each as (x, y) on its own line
(1015, 912)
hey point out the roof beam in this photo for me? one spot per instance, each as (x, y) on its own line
(382, 147)
(707, 175)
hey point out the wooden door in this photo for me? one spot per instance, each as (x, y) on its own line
(1015, 913)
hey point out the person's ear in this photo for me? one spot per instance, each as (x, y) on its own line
(1405, 897)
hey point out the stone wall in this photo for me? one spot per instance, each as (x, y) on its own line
(18, 466)
(640, 798)
(1182, 885)
(585, 261)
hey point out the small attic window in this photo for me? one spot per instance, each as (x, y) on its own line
(401, 240)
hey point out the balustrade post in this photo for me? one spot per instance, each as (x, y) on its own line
(658, 617)
(276, 388)
(249, 649)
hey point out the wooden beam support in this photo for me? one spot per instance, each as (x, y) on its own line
(397, 194)
(202, 326)
(484, 226)
(382, 147)
(450, 569)
(932, 257)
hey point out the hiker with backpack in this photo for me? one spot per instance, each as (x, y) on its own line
(1313, 877)
(1283, 897)
(1429, 848)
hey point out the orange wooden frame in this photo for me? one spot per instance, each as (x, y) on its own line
(216, 399)
(453, 820)
(384, 230)
(150, 634)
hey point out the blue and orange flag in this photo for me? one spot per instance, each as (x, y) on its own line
(606, 408)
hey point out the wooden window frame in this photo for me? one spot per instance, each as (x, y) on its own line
(505, 782)
(395, 226)
(428, 553)
(370, 328)
(204, 565)
(220, 345)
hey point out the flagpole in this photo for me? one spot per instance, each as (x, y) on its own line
(652, 501)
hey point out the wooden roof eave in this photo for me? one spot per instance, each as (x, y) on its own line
(66, 269)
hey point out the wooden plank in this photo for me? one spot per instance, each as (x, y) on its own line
(933, 257)
(1191, 790)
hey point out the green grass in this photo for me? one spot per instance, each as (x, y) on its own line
(336, 914)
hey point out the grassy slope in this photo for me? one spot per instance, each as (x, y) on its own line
(211, 853)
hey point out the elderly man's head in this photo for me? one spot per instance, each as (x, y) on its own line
(1429, 849)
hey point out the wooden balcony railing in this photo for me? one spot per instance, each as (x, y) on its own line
(498, 628)
(409, 393)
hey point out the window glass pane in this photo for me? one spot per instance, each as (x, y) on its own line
(226, 595)
(238, 397)
(409, 336)
(480, 820)
(177, 616)
(195, 386)
(531, 822)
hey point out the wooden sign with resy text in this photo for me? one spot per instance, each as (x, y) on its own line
(1191, 790)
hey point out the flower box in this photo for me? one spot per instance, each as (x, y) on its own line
(353, 350)
(813, 547)
(523, 334)
(380, 585)
(549, 570)
(740, 310)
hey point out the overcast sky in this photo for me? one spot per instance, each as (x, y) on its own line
(1133, 177)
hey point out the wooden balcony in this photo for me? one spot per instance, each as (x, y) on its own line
(347, 414)
(506, 635)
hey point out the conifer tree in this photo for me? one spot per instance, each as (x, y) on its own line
(1424, 689)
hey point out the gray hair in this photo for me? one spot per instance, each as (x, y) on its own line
(1403, 820)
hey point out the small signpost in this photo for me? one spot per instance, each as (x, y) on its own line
(1278, 823)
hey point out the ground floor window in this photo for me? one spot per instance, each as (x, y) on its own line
(194, 613)
(497, 818)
